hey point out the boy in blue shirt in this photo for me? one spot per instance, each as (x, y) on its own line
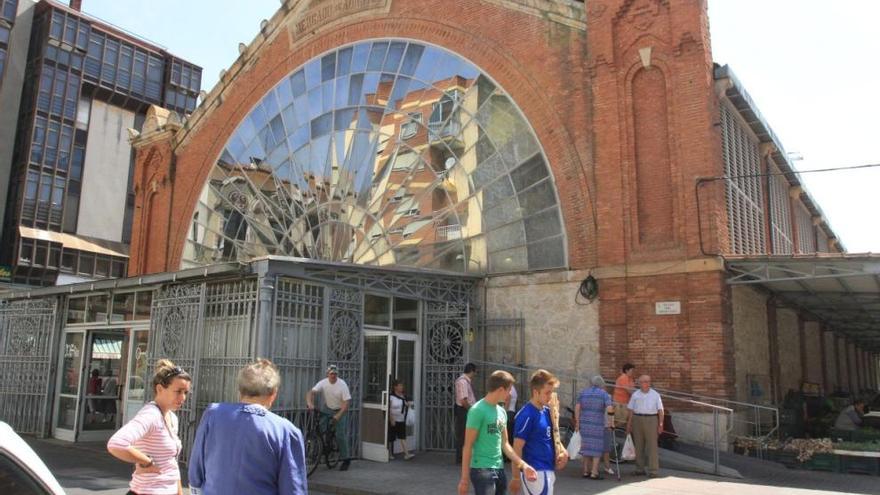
(533, 438)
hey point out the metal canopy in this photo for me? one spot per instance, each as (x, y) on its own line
(841, 289)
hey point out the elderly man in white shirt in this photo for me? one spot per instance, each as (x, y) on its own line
(645, 423)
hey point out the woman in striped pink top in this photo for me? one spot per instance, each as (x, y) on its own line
(149, 440)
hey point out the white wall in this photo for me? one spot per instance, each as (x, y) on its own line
(105, 174)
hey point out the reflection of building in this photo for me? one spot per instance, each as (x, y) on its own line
(70, 204)
(550, 175)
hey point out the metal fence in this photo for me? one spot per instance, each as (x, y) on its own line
(27, 338)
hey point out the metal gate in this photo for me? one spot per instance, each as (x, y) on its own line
(445, 347)
(297, 345)
(344, 344)
(27, 330)
(208, 330)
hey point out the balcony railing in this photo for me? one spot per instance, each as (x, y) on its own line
(448, 232)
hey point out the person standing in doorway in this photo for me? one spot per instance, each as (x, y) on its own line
(623, 388)
(270, 446)
(149, 440)
(337, 399)
(399, 407)
(464, 398)
(533, 433)
(645, 424)
(486, 438)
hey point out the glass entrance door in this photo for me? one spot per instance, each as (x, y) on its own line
(104, 368)
(388, 356)
(67, 404)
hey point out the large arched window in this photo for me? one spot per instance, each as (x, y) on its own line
(383, 152)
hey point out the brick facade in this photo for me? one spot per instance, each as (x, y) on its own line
(621, 96)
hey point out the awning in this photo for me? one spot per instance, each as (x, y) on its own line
(841, 289)
(106, 348)
(70, 241)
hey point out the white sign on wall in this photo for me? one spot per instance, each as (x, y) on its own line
(667, 308)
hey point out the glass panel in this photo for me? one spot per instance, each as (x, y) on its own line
(123, 307)
(67, 412)
(73, 351)
(142, 309)
(137, 373)
(406, 365)
(76, 307)
(406, 314)
(398, 165)
(97, 308)
(376, 367)
(102, 384)
(377, 310)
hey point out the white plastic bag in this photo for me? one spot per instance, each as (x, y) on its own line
(411, 416)
(629, 449)
(574, 447)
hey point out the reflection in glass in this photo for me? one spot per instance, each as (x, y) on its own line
(137, 373)
(377, 310)
(123, 307)
(73, 351)
(384, 152)
(376, 367)
(406, 314)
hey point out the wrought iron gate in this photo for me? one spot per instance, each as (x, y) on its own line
(344, 344)
(27, 330)
(297, 345)
(445, 348)
(207, 329)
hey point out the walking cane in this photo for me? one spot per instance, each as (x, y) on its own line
(616, 451)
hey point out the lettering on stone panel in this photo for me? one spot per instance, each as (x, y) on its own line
(316, 14)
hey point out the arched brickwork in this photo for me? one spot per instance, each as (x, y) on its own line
(541, 68)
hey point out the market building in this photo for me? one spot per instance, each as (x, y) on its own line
(372, 187)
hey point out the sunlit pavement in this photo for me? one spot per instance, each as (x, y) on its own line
(89, 469)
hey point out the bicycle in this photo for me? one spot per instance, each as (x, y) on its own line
(321, 444)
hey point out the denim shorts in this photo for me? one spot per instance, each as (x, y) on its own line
(488, 481)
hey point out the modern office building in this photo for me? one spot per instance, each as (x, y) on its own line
(74, 86)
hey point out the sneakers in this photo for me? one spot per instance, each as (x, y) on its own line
(344, 465)
(609, 471)
(409, 456)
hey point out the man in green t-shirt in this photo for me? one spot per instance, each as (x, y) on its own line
(486, 438)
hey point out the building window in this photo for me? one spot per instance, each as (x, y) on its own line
(411, 126)
(780, 213)
(745, 191)
(806, 234)
(8, 10)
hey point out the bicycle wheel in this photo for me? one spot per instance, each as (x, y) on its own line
(331, 451)
(314, 450)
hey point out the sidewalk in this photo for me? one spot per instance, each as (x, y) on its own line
(435, 473)
(87, 468)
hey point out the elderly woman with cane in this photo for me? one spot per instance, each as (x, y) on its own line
(589, 412)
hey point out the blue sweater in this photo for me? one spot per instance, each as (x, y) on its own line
(244, 448)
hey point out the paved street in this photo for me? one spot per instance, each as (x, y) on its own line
(87, 469)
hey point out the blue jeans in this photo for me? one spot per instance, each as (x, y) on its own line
(488, 481)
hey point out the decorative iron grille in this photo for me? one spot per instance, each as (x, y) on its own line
(344, 346)
(26, 340)
(445, 348)
(297, 345)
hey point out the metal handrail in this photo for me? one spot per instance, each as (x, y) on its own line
(685, 397)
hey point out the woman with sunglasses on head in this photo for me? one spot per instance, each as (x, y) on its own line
(149, 440)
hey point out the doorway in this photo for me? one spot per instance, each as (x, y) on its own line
(388, 356)
(101, 382)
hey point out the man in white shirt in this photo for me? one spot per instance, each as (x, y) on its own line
(464, 398)
(336, 401)
(645, 423)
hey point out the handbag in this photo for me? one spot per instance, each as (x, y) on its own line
(629, 449)
(574, 447)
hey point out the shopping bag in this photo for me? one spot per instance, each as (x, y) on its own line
(629, 449)
(574, 447)
(411, 417)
